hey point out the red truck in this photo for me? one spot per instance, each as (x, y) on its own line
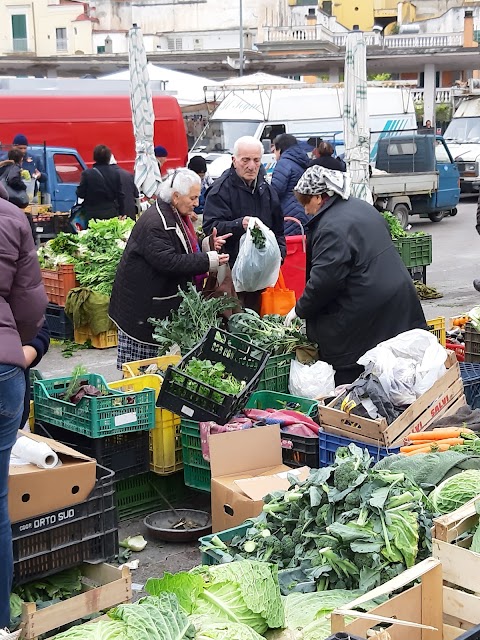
(82, 122)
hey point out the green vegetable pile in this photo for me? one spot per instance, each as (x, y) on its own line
(269, 332)
(95, 252)
(456, 491)
(187, 325)
(258, 237)
(347, 526)
(396, 229)
(213, 374)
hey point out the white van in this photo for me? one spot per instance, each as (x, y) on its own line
(305, 113)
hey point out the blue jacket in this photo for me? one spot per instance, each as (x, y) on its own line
(288, 171)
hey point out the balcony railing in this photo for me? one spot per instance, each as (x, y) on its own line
(441, 95)
(62, 45)
(321, 34)
(20, 44)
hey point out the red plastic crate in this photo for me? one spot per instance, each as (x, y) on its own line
(459, 350)
(58, 282)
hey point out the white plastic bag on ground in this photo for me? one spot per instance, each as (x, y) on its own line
(254, 268)
(407, 365)
(311, 381)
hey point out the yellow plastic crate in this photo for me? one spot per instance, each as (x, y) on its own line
(165, 439)
(31, 417)
(104, 340)
(131, 369)
(437, 327)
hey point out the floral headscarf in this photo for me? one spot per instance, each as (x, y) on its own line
(318, 180)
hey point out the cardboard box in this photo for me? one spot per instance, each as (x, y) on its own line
(33, 491)
(444, 398)
(246, 465)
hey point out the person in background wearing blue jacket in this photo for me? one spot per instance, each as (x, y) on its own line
(31, 163)
(199, 165)
(292, 161)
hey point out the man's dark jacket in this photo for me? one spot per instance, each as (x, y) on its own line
(101, 189)
(288, 171)
(358, 290)
(154, 264)
(229, 200)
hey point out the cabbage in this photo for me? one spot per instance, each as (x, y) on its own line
(245, 592)
(101, 630)
(456, 491)
(207, 630)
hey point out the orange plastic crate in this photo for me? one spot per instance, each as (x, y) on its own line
(58, 282)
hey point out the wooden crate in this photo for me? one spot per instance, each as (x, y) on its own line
(438, 608)
(444, 398)
(104, 587)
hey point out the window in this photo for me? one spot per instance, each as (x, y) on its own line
(441, 153)
(19, 32)
(402, 149)
(101, 49)
(61, 38)
(68, 168)
(174, 44)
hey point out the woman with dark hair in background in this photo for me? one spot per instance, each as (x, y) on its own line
(325, 158)
(292, 160)
(101, 188)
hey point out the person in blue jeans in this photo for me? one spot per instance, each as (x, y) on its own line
(22, 306)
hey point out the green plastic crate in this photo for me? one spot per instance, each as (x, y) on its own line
(146, 493)
(273, 400)
(213, 557)
(108, 415)
(415, 251)
(196, 469)
(276, 374)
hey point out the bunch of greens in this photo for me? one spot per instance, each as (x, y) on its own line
(213, 374)
(346, 527)
(258, 237)
(269, 332)
(456, 491)
(244, 592)
(187, 325)
(60, 250)
(396, 229)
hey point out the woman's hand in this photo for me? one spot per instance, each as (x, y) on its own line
(223, 258)
(219, 241)
(30, 355)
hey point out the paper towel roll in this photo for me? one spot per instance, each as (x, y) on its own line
(38, 453)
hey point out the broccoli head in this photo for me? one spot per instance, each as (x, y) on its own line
(346, 474)
(297, 535)
(288, 547)
(352, 500)
(362, 560)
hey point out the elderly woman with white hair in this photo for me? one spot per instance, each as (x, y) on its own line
(162, 254)
(358, 291)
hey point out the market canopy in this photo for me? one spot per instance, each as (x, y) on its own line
(187, 87)
(256, 80)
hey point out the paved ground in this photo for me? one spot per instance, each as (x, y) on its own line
(455, 264)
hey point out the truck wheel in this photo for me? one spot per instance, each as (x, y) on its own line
(401, 212)
(453, 212)
(438, 216)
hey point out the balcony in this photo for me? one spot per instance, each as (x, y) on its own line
(20, 45)
(441, 95)
(298, 33)
(407, 41)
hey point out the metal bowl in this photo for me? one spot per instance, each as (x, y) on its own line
(160, 524)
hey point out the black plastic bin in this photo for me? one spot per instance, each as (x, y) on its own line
(197, 400)
(299, 451)
(59, 324)
(127, 454)
(84, 532)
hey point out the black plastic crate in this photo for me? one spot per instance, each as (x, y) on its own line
(59, 324)
(127, 454)
(471, 634)
(197, 400)
(471, 383)
(84, 532)
(299, 451)
(472, 344)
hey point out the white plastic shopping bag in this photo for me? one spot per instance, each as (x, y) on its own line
(258, 263)
(311, 381)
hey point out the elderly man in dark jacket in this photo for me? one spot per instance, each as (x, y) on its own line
(292, 160)
(358, 291)
(238, 194)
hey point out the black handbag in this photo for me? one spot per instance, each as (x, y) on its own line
(18, 198)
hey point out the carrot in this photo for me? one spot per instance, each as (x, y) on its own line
(414, 447)
(431, 448)
(450, 441)
(419, 450)
(439, 434)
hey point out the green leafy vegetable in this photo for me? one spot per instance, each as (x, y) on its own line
(101, 630)
(269, 332)
(134, 543)
(206, 630)
(187, 325)
(258, 237)
(396, 229)
(59, 586)
(245, 592)
(456, 491)
(213, 374)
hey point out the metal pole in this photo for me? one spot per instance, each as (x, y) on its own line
(240, 66)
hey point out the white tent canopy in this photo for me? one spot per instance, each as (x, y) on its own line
(187, 88)
(255, 80)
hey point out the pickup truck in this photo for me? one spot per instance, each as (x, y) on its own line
(414, 174)
(63, 167)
